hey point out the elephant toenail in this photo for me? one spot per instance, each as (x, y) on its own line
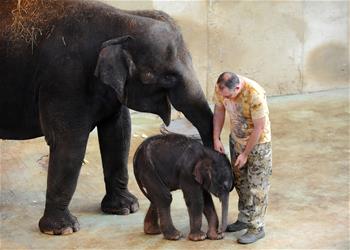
(134, 207)
(67, 230)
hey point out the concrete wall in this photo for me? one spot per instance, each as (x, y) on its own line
(287, 46)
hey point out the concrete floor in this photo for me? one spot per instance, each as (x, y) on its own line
(309, 197)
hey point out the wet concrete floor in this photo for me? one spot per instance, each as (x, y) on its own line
(309, 197)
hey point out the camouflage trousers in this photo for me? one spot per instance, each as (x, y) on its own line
(252, 183)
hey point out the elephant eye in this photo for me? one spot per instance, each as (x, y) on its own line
(170, 77)
(169, 80)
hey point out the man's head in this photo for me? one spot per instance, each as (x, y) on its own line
(229, 85)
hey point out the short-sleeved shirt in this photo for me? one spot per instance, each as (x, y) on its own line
(250, 104)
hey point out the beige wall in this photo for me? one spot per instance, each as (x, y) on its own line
(287, 46)
(260, 40)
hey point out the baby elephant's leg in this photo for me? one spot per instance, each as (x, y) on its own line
(151, 225)
(212, 218)
(160, 198)
(194, 201)
(166, 224)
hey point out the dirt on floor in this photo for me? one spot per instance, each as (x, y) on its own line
(308, 202)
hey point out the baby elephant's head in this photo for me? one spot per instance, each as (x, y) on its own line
(213, 171)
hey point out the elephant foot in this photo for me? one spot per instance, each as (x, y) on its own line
(59, 223)
(213, 235)
(172, 235)
(121, 203)
(197, 236)
(150, 228)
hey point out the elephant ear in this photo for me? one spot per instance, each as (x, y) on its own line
(114, 64)
(202, 172)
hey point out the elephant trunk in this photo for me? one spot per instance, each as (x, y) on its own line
(224, 207)
(190, 100)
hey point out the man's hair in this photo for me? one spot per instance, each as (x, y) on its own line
(229, 79)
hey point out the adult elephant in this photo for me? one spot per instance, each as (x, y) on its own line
(83, 65)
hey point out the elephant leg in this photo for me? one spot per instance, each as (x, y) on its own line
(166, 224)
(160, 198)
(212, 218)
(66, 156)
(114, 139)
(194, 201)
(66, 124)
(151, 225)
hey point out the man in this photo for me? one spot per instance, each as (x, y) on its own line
(250, 148)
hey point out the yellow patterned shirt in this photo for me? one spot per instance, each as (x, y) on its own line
(250, 104)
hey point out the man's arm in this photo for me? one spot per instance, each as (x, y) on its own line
(259, 125)
(218, 123)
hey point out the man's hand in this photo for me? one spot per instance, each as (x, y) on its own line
(218, 146)
(241, 160)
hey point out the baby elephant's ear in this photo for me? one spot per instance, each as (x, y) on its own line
(202, 172)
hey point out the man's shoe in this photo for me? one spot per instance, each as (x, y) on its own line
(237, 226)
(251, 236)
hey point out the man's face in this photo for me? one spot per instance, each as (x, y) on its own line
(229, 93)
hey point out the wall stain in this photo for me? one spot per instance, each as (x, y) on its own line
(328, 63)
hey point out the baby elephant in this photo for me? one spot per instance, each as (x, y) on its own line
(164, 163)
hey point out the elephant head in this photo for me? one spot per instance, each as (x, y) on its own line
(213, 171)
(150, 68)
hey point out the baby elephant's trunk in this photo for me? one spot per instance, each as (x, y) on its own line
(224, 198)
